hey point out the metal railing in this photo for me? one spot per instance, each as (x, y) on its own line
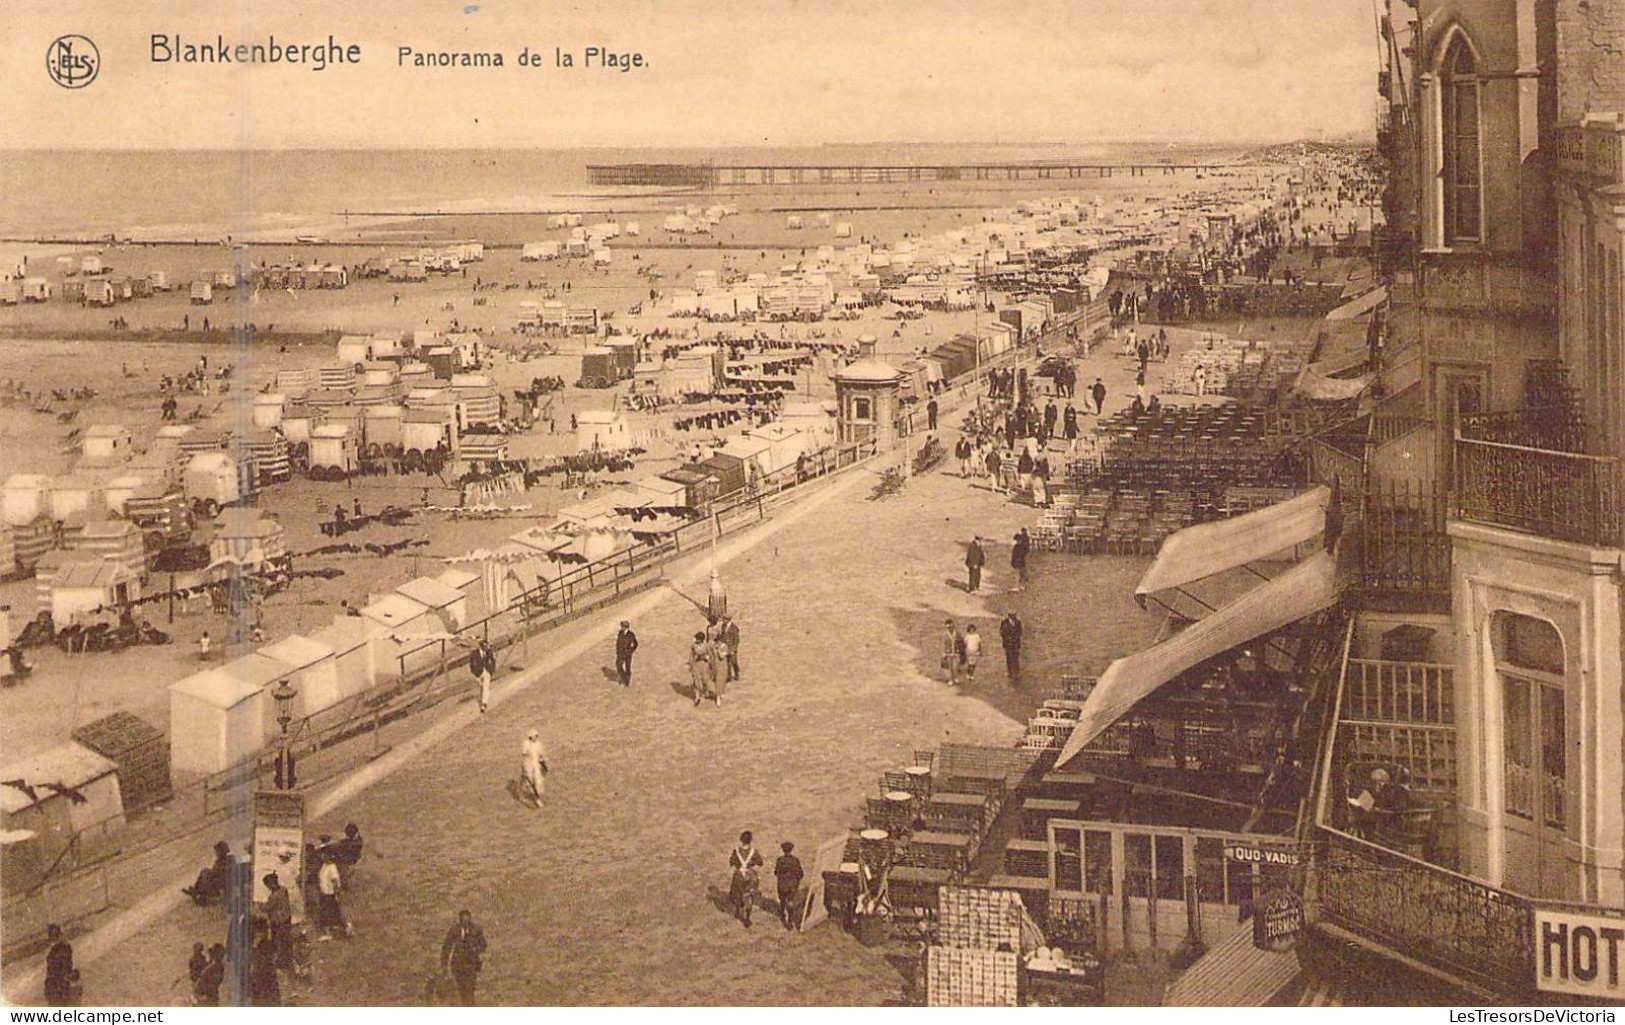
(1466, 929)
(206, 800)
(1559, 494)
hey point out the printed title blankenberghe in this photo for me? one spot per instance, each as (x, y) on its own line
(172, 49)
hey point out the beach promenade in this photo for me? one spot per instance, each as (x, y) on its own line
(610, 893)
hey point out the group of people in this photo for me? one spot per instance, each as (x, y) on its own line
(713, 659)
(745, 864)
(261, 941)
(962, 651)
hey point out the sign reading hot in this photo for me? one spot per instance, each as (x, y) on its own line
(1579, 953)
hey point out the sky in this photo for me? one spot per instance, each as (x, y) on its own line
(719, 73)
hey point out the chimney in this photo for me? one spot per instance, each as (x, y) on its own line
(866, 347)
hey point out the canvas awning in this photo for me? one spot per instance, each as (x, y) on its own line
(1200, 551)
(1301, 591)
(1315, 385)
(1360, 305)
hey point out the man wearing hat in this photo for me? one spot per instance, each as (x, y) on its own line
(626, 643)
(279, 913)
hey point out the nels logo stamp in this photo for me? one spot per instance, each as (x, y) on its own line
(73, 61)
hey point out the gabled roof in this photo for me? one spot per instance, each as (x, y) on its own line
(394, 609)
(70, 764)
(430, 592)
(217, 688)
(451, 576)
(297, 651)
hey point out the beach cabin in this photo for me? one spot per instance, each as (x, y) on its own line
(24, 497)
(36, 290)
(756, 454)
(379, 374)
(39, 802)
(119, 541)
(333, 451)
(604, 429)
(441, 599)
(410, 640)
(355, 663)
(843, 229)
(104, 445)
(247, 537)
(211, 482)
(268, 409)
(311, 668)
(793, 222)
(354, 349)
(596, 511)
(91, 265)
(660, 493)
(463, 582)
(296, 384)
(255, 670)
(297, 421)
(118, 491)
(216, 721)
(84, 586)
(99, 292)
(202, 293)
(784, 445)
(71, 495)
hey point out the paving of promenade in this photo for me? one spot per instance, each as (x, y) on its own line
(610, 894)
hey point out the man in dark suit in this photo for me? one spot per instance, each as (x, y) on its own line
(626, 643)
(461, 955)
(729, 631)
(975, 559)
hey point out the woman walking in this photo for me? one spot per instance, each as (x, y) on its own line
(746, 861)
(533, 766)
(950, 652)
(699, 666)
(719, 669)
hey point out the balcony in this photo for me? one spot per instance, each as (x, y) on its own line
(1530, 470)
(1385, 877)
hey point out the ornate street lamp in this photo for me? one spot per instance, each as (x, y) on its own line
(284, 694)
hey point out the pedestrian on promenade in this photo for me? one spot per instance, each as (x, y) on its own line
(1098, 391)
(993, 467)
(730, 637)
(329, 916)
(962, 452)
(719, 667)
(210, 977)
(787, 870)
(264, 986)
(59, 971)
(973, 651)
(347, 853)
(950, 651)
(461, 954)
(203, 647)
(1024, 470)
(975, 559)
(533, 766)
(1139, 387)
(931, 415)
(1010, 630)
(483, 664)
(1069, 423)
(626, 643)
(699, 666)
(1018, 558)
(1051, 414)
(746, 862)
(279, 914)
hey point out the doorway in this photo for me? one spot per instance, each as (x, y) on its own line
(1536, 758)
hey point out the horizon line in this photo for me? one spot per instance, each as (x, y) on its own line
(1352, 137)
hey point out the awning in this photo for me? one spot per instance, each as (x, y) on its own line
(1315, 385)
(1360, 305)
(1234, 974)
(1200, 551)
(1301, 591)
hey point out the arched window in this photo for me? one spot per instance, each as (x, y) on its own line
(1458, 125)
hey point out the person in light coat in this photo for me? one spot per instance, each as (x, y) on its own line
(533, 764)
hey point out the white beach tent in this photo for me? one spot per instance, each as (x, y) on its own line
(355, 662)
(447, 603)
(41, 825)
(311, 668)
(215, 721)
(402, 647)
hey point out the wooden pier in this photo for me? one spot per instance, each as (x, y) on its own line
(732, 175)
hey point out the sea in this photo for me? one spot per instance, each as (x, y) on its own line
(159, 193)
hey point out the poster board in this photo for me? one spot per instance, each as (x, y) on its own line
(279, 845)
(828, 859)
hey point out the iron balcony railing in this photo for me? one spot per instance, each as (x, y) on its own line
(1567, 495)
(1392, 714)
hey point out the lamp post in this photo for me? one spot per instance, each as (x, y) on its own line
(284, 694)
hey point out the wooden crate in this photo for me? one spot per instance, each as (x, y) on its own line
(979, 917)
(1024, 857)
(956, 977)
(141, 753)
